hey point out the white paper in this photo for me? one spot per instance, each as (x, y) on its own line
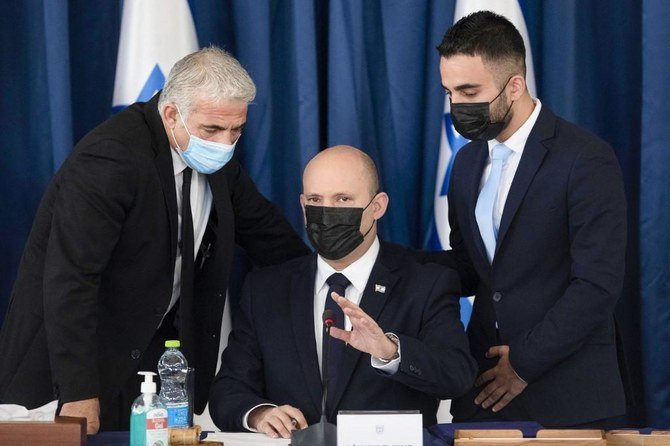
(14, 412)
(379, 428)
(246, 439)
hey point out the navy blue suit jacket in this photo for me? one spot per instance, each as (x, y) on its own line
(556, 276)
(271, 355)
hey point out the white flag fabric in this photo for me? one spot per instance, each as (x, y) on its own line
(154, 35)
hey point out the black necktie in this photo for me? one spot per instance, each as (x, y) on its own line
(338, 283)
(187, 268)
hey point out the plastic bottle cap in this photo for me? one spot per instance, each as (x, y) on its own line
(148, 386)
(172, 344)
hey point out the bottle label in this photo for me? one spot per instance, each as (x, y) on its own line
(178, 415)
(157, 428)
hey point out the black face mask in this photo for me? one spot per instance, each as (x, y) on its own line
(473, 119)
(334, 231)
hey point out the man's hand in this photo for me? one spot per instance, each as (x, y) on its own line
(503, 382)
(276, 421)
(89, 409)
(366, 335)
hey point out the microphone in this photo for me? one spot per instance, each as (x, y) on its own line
(328, 319)
(322, 433)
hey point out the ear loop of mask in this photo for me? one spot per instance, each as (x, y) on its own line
(374, 221)
(183, 122)
(492, 100)
(511, 103)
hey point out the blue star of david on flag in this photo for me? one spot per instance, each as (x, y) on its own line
(456, 141)
(154, 83)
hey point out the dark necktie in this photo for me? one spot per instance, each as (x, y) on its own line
(187, 268)
(337, 283)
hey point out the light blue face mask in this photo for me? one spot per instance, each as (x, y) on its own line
(204, 156)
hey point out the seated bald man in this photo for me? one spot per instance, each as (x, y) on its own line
(400, 344)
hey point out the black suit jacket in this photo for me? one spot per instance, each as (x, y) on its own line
(556, 276)
(96, 275)
(271, 354)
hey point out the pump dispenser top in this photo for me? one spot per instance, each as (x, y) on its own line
(148, 385)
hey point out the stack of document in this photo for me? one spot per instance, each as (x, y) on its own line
(246, 439)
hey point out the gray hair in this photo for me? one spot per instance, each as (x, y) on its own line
(210, 73)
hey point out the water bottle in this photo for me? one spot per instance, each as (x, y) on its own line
(172, 368)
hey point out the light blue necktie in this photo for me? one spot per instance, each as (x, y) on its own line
(487, 199)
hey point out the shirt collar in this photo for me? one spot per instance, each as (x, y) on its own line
(178, 163)
(358, 272)
(517, 141)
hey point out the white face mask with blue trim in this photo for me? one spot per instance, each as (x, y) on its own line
(204, 156)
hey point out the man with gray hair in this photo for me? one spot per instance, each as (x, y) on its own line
(133, 244)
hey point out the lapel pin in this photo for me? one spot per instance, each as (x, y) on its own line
(380, 289)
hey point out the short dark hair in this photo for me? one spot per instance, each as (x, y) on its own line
(490, 36)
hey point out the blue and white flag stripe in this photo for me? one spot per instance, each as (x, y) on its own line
(154, 35)
(451, 141)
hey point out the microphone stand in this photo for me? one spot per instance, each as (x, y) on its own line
(322, 433)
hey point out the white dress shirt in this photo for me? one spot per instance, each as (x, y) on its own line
(201, 205)
(516, 143)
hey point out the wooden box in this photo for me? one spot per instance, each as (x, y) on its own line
(545, 437)
(64, 431)
(634, 438)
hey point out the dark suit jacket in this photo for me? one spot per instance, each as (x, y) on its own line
(556, 276)
(96, 276)
(271, 354)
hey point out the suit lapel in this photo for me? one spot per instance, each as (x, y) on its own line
(302, 318)
(482, 154)
(165, 168)
(224, 213)
(377, 292)
(533, 155)
(219, 187)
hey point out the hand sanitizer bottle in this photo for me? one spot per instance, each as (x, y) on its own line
(148, 416)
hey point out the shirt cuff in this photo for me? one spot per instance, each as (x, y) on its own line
(246, 416)
(388, 367)
(517, 375)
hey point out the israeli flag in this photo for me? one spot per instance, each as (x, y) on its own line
(452, 141)
(154, 35)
